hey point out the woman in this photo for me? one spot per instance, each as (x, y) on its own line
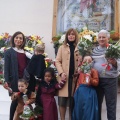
(15, 63)
(66, 64)
(107, 78)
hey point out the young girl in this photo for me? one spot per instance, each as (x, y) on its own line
(36, 66)
(22, 87)
(85, 97)
(46, 93)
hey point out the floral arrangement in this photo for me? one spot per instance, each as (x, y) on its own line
(113, 51)
(4, 40)
(85, 46)
(31, 41)
(88, 34)
(58, 40)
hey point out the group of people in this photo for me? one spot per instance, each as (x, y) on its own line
(82, 92)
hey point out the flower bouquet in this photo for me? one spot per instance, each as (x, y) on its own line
(38, 110)
(27, 113)
(113, 51)
(85, 68)
(85, 45)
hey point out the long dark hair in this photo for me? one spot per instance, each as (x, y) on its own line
(12, 39)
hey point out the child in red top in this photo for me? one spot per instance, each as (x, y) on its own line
(85, 97)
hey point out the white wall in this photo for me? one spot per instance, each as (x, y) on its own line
(30, 17)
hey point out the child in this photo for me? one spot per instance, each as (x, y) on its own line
(46, 93)
(85, 97)
(22, 87)
(36, 66)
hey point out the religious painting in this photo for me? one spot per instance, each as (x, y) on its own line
(95, 14)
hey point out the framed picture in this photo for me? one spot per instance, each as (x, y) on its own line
(95, 14)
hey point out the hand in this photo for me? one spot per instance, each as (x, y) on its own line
(112, 61)
(6, 86)
(63, 76)
(62, 82)
(27, 102)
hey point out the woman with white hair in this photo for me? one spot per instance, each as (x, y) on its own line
(107, 78)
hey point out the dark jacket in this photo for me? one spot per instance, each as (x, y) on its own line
(11, 68)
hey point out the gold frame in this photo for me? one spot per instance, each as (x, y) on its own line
(116, 17)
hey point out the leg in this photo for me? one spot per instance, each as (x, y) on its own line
(100, 96)
(12, 109)
(62, 112)
(62, 102)
(111, 98)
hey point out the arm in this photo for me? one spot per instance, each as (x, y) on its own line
(7, 66)
(31, 99)
(94, 80)
(58, 61)
(15, 95)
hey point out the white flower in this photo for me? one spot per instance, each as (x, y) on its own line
(62, 39)
(88, 37)
(85, 28)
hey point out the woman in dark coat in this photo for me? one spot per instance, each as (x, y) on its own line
(15, 63)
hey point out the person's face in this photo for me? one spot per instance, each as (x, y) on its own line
(71, 36)
(87, 59)
(22, 86)
(102, 39)
(48, 77)
(18, 40)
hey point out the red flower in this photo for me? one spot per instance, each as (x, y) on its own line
(107, 45)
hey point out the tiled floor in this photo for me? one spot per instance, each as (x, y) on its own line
(5, 103)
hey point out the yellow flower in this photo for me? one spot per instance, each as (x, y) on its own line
(39, 42)
(1, 37)
(46, 64)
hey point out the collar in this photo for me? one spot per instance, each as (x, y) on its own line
(18, 50)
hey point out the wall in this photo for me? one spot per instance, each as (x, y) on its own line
(30, 17)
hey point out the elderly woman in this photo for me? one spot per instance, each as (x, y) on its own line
(107, 78)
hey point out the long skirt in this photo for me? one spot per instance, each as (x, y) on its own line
(85, 103)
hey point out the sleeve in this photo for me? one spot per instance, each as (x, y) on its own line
(29, 55)
(60, 85)
(58, 61)
(32, 98)
(118, 65)
(7, 66)
(15, 96)
(37, 100)
(94, 80)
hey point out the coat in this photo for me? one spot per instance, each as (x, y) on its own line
(62, 65)
(20, 106)
(11, 69)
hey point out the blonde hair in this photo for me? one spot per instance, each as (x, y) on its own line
(40, 47)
